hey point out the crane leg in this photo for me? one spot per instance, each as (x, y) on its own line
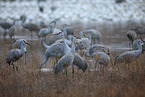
(31, 35)
(73, 70)
(43, 62)
(15, 66)
(66, 71)
(108, 70)
(4, 35)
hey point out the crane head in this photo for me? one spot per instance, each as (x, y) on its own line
(59, 33)
(26, 42)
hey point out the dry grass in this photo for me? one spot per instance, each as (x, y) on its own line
(29, 81)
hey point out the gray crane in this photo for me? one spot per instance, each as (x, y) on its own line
(6, 25)
(55, 50)
(102, 59)
(12, 31)
(136, 45)
(53, 39)
(42, 25)
(139, 30)
(78, 61)
(95, 35)
(66, 60)
(85, 43)
(131, 36)
(98, 47)
(69, 31)
(129, 56)
(54, 29)
(15, 54)
(23, 17)
(44, 31)
(31, 27)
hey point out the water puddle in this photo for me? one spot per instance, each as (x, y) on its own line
(46, 69)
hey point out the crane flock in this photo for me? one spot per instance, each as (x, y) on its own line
(64, 50)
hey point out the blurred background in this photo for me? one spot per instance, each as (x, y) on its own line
(75, 11)
(112, 18)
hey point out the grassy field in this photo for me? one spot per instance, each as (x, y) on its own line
(29, 81)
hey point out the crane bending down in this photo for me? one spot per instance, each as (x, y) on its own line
(55, 50)
(78, 61)
(66, 60)
(139, 29)
(131, 36)
(95, 35)
(129, 56)
(30, 26)
(44, 31)
(15, 54)
(101, 58)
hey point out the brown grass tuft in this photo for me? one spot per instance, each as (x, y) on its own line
(29, 81)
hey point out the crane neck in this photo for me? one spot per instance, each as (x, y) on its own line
(66, 47)
(23, 48)
(14, 22)
(44, 44)
(64, 31)
(49, 29)
(81, 34)
(73, 46)
(140, 47)
(23, 23)
(54, 25)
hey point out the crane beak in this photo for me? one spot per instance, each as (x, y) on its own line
(58, 33)
(77, 37)
(28, 43)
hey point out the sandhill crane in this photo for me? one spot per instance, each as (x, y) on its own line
(53, 39)
(15, 54)
(131, 36)
(102, 59)
(78, 61)
(43, 25)
(85, 42)
(39, 6)
(23, 17)
(61, 41)
(44, 31)
(18, 42)
(12, 31)
(129, 56)
(98, 47)
(55, 50)
(69, 31)
(66, 60)
(6, 25)
(136, 45)
(95, 35)
(55, 30)
(139, 30)
(31, 27)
